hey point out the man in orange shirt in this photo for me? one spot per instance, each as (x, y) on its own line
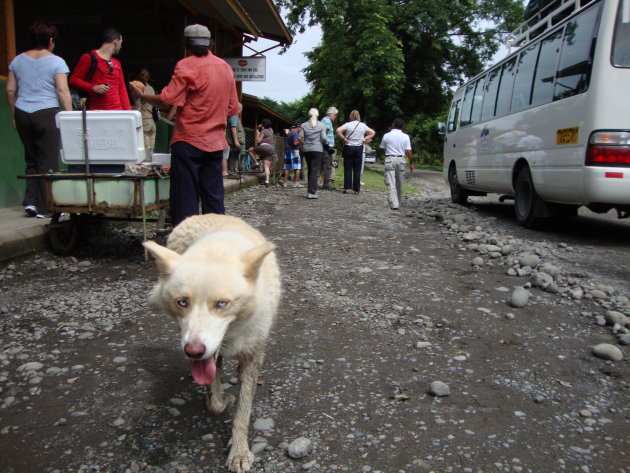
(204, 90)
(106, 88)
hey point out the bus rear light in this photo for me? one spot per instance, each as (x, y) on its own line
(608, 155)
(611, 138)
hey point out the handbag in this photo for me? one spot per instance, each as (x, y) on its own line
(78, 95)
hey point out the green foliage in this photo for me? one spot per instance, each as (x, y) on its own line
(359, 63)
(425, 142)
(297, 111)
(389, 58)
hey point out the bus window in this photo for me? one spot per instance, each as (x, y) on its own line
(504, 97)
(575, 58)
(621, 44)
(475, 114)
(546, 69)
(453, 115)
(524, 77)
(490, 94)
(467, 104)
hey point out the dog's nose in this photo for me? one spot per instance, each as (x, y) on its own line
(195, 350)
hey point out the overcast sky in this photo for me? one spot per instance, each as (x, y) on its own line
(285, 79)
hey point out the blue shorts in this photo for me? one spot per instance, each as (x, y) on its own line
(291, 161)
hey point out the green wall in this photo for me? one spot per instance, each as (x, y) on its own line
(11, 157)
(162, 138)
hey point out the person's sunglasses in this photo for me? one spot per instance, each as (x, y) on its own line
(110, 66)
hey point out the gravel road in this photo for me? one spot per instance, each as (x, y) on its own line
(437, 338)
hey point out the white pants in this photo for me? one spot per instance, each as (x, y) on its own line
(394, 176)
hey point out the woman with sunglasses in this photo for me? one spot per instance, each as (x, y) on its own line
(106, 87)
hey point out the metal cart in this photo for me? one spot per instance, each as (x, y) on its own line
(81, 203)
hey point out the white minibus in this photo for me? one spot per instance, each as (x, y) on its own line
(549, 125)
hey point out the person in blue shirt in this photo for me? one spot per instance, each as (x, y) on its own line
(327, 160)
(36, 84)
(292, 161)
(236, 140)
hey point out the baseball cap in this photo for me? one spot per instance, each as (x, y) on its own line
(197, 35)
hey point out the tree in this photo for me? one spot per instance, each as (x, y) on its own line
(297, 110)
(398, 57)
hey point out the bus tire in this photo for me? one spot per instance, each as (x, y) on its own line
(459, 195)
(526, 200)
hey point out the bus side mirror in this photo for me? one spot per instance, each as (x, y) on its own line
(441, 128)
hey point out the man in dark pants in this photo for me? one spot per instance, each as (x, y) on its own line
(195, 174)
(204, 90)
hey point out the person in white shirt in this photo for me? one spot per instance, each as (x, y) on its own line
(354, 134)
(397, 147)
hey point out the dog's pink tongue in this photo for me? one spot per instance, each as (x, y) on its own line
(204, 371)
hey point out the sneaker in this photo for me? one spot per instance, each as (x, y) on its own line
(297, 184)
(30, 210)
(329, 187)
(394, 208)
(284, 184)
(312, 196)
(267, 184)
(43, 216)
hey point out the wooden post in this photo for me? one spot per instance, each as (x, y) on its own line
(7, 35)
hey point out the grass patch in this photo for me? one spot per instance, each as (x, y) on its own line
(372, 178)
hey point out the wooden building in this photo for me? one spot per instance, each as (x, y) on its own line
(152, 33)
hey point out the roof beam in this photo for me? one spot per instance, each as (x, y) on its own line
(242, 14)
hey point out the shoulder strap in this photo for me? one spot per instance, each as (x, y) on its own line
(355, 129)
(93, 63)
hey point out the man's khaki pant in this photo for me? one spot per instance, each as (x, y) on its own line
(394, 176)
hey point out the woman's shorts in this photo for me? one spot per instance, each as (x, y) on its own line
(264, 152)
(292, 161)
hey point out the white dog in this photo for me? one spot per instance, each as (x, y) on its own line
(220, 280)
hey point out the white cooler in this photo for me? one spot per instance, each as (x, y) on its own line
(114, 137)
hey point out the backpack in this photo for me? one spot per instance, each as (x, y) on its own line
(78, 95)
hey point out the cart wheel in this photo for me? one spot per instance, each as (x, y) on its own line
(63, 236)
(92, 228)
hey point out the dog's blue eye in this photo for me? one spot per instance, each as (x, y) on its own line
(182, 303)
(221, 304)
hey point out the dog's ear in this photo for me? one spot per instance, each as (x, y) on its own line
(254, 258)
(164, 257)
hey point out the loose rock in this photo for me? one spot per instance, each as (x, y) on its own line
(439, 389)
(606, 351)
(519, 298)
(300, 448)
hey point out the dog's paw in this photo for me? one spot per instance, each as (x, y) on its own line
(216, 404)
(240, 461)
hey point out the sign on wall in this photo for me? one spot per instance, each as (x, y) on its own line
(248, 68)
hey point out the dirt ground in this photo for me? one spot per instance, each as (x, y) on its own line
(377, 306)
